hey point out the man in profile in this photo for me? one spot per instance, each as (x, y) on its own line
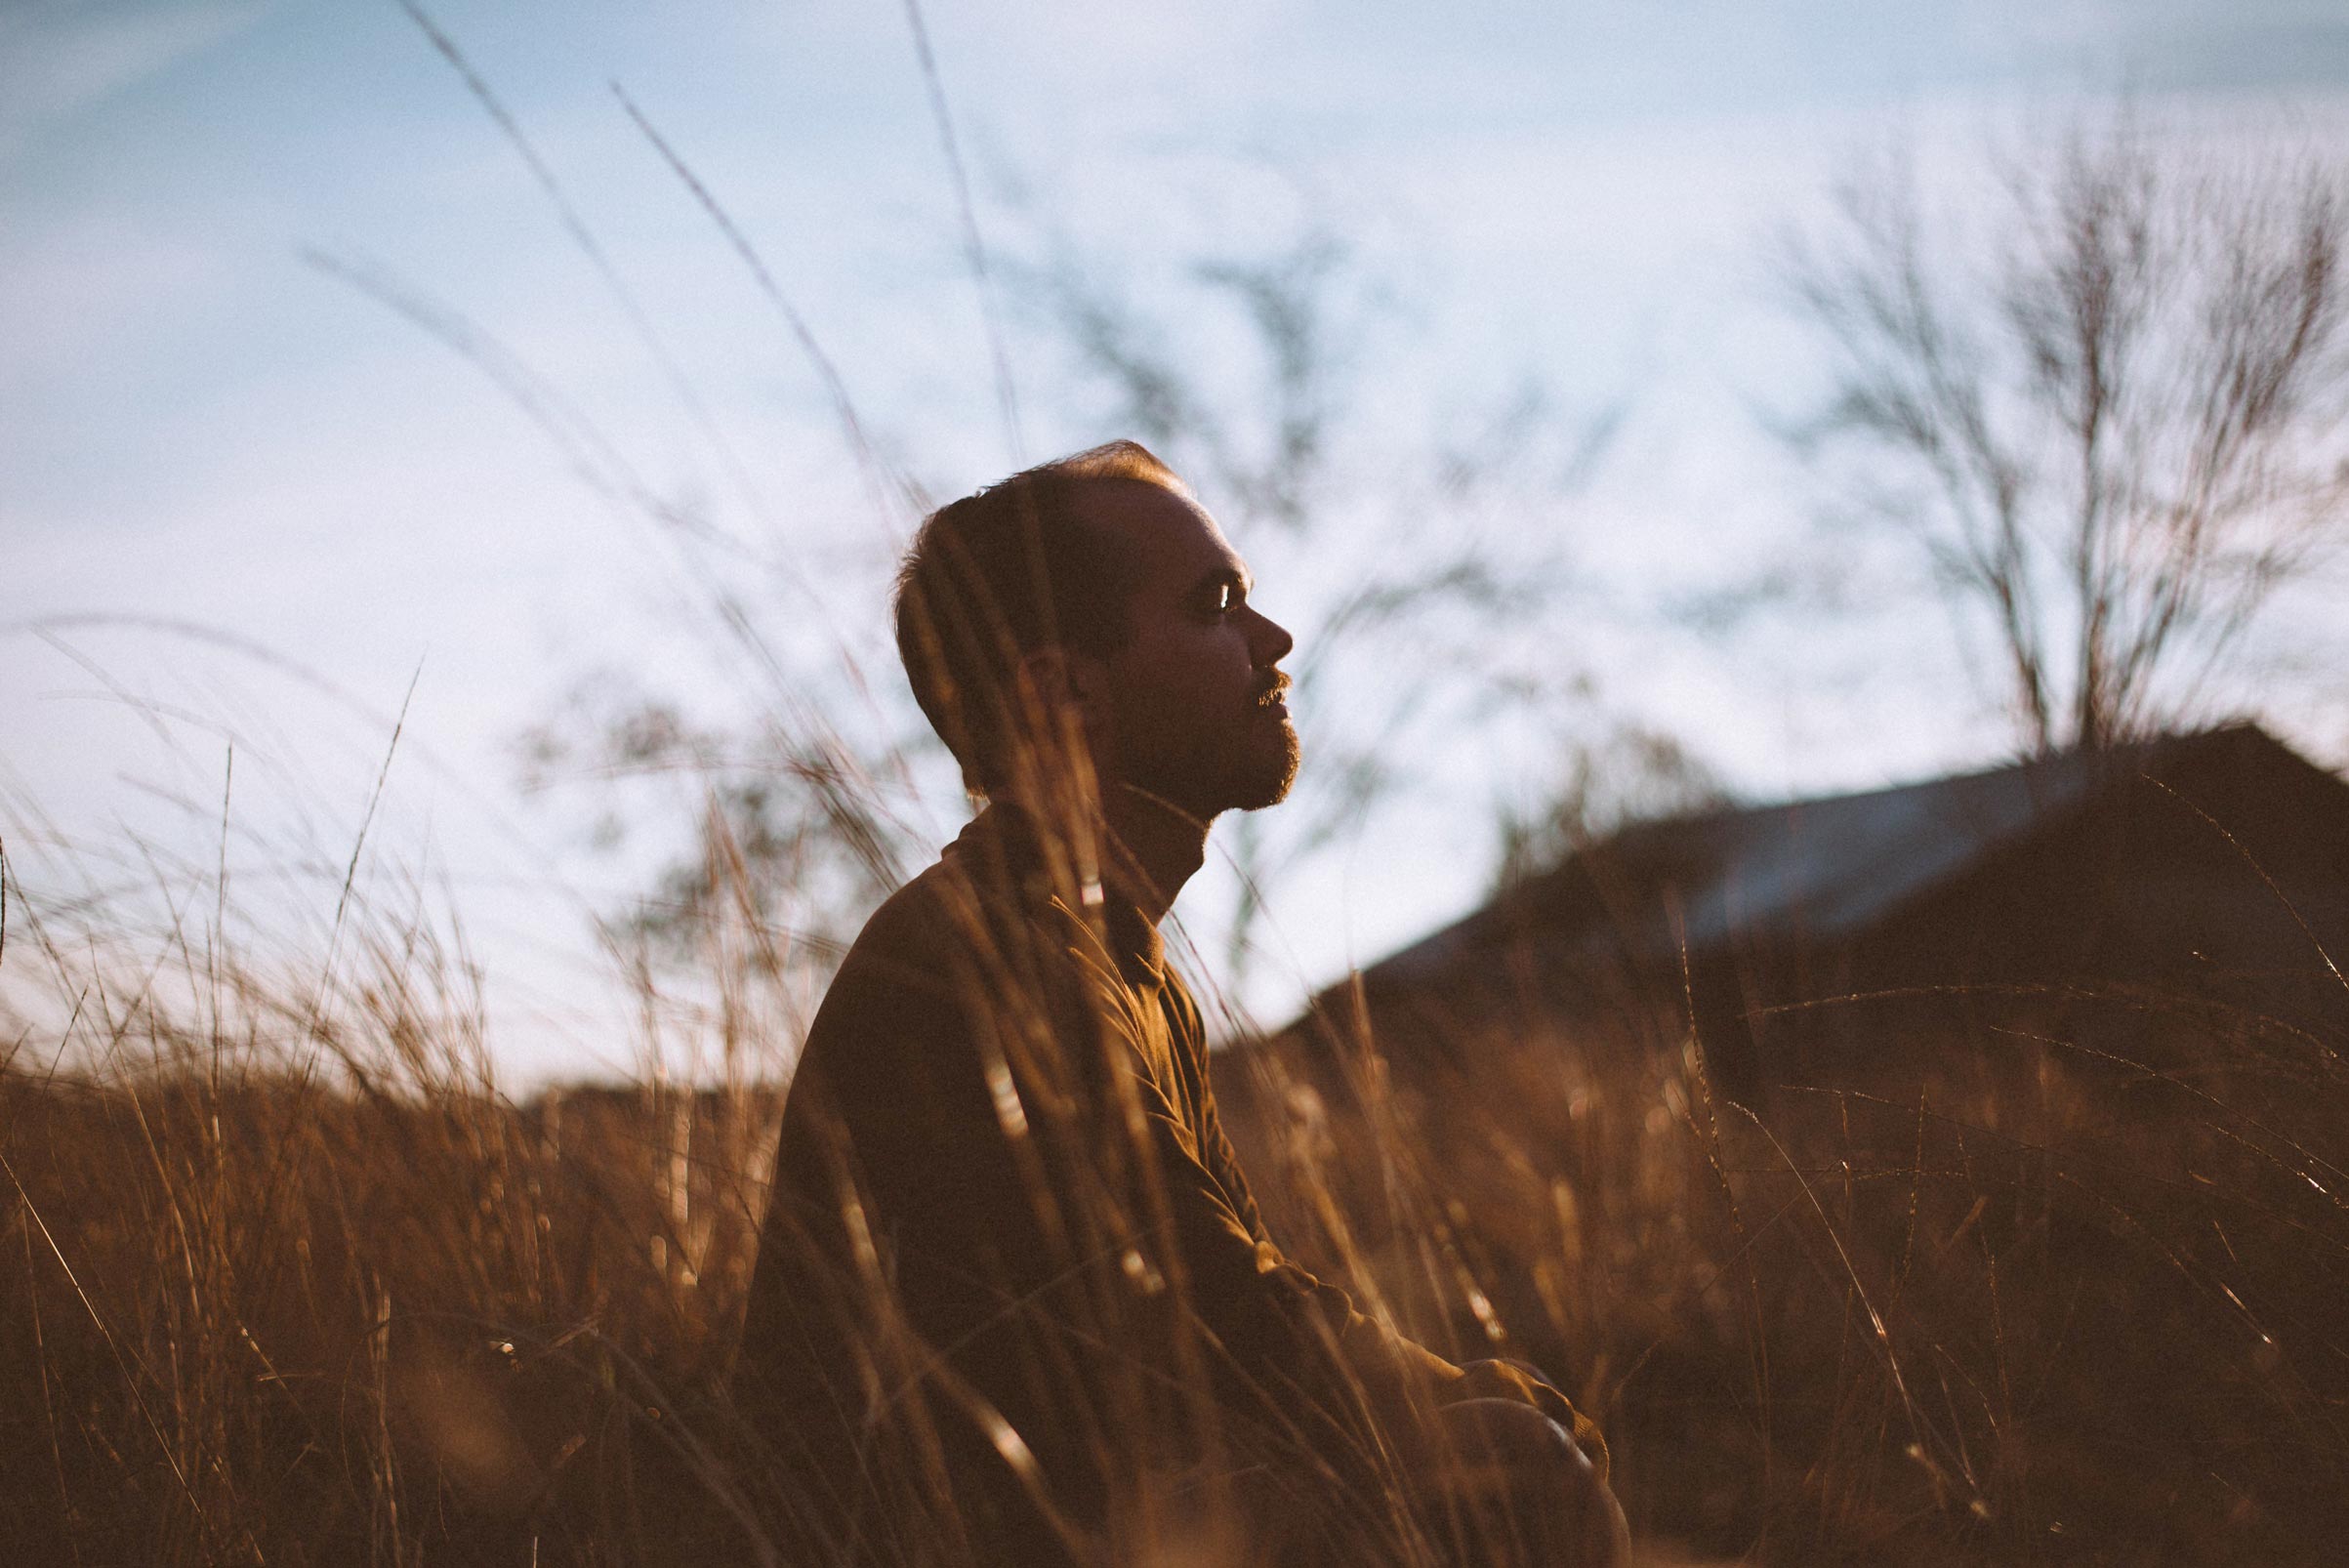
(1015, 1302)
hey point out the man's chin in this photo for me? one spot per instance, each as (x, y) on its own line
(1249, 781)
(1271, 785)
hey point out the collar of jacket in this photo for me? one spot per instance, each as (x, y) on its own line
(1007, 837)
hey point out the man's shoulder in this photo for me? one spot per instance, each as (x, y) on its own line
(912, 923)
(891, 1005)
(912, 948)
(954, 946)
(925, 937)
(986, 896)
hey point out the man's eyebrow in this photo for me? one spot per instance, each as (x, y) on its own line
(1220, 576)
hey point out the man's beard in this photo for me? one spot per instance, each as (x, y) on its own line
(1270, 785)
(1256, 770)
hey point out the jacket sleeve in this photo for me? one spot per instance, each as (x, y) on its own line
(1288, 1333)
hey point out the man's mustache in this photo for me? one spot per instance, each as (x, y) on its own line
(1272, 688)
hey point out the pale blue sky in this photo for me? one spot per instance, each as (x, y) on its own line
(197, 424)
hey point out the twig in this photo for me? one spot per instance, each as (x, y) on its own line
(974, 251)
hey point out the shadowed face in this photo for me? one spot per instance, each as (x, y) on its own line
(1190, 706)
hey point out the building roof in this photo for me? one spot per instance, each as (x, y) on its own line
(1830, 867)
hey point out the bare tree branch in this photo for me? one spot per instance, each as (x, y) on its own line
(2113, 421)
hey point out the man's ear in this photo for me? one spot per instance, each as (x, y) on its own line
(1057, 675)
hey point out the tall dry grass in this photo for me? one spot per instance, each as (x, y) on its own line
(2050, 1277)
(293, 1280)
(2061, 1280)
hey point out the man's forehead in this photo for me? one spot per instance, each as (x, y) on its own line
(1167, 533)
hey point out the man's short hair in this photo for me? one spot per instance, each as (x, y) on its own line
(1002, 573)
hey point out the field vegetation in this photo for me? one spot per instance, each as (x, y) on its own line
(294, 1280)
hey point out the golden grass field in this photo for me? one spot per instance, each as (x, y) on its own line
(291, 1279)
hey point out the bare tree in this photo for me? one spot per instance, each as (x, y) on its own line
(2104, 403)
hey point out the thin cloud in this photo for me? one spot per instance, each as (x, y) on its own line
(57, 60)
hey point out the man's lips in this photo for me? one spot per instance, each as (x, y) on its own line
(1272, 700)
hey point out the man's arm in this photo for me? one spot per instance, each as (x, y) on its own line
(1285, 1331)
(1445, 1383)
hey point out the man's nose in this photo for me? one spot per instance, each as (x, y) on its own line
(1270, 642)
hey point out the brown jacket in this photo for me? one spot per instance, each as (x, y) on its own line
(1012, 1283)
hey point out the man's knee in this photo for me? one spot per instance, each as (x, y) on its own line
(1519, 1489)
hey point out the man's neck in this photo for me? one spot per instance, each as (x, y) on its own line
(1154, 847)
(1149, 846)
